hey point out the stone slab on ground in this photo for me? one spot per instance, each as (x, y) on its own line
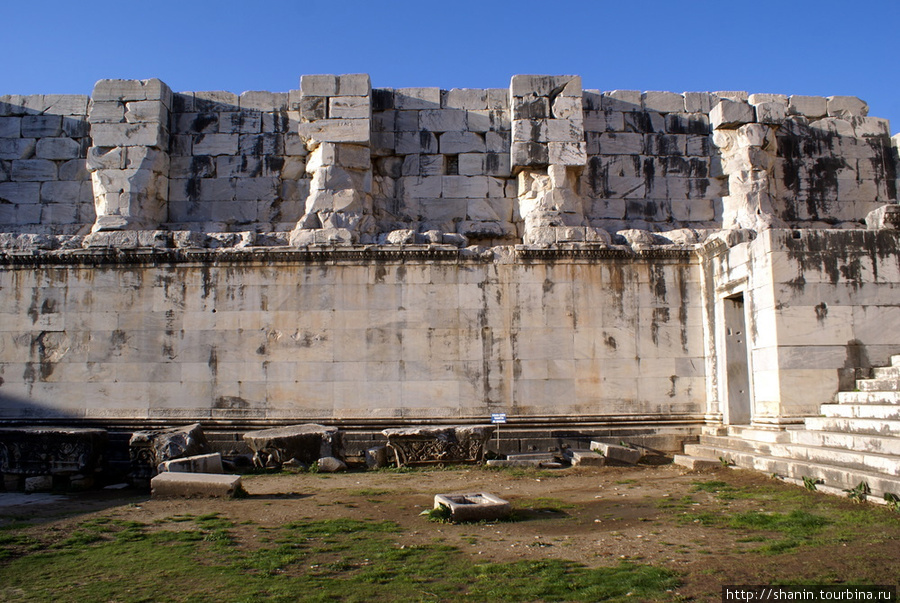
(149, 448)
(695, 463)
(202, 463)
(531, 456)
(524, 463)
(613, 452)
(586, 458)
(480, 506)
(171, 485)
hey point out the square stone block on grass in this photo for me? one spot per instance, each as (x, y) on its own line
(479, 506)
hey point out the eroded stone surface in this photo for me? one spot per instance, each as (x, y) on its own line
(306, 443)
(417, 445)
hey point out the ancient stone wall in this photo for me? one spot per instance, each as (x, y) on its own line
(353, 253)
(820, 305)
(237, 162)
(542, 161)
(421, 335)
(44, 183)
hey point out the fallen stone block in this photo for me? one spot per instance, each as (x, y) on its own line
(170, 485)
(377, 457)
(203, 463)
(46, 451)
(524, 463)
(532, 456)
(307, 443)
(695, 463)
(586, 458)
(480, 506)
(621, 454)
(38, 483)
(148, 449)
(330, 464)
(415, 445)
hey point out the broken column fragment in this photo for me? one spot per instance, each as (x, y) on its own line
(336, 112)
(129, 160)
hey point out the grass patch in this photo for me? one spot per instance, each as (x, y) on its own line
(341, 559)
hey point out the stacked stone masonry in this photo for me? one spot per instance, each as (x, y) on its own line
(347, 253)
(438, 160)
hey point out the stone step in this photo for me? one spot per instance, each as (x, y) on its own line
(759, 434)
(879, 427)
(850, 441)
(735, 443)
(852, 459)
(695, 463)
(895, 360)
(887, 372)
(878, 385)
(833, 476)
(862, 411)
(862, 397)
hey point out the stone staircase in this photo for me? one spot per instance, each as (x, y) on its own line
(855, 440)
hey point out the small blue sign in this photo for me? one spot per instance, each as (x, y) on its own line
(498, 417)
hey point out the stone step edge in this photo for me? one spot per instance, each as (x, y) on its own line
(798, 435)
(859, 426)
(737, 442)
(832, 411)
(793, 464)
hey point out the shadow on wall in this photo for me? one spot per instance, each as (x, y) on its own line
(20, 410)
(236, 163)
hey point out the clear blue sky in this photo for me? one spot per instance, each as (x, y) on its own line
(814, 47)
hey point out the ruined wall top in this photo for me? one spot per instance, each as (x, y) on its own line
(338, 162)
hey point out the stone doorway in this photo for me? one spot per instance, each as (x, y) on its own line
(738, 405)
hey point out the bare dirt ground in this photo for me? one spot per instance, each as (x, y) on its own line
(594, 516)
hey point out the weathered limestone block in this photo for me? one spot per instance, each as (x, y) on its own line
(549, 200)
(171, 485)
(585, 458)
(662, 102)
(148, 449)
(37, 451)
(330, 464)
(548, 124)
(480, 506)
(621, 454)
(306, 443)
(129, 160)
(748, 155)
(339, 196)
(808, 106)
(336, 130)
(421, 445)
(846, 106)
(131, 198)
(731, 114)
(886, 217)
(203, 463)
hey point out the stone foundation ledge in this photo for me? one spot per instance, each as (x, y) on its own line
(47, 250)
